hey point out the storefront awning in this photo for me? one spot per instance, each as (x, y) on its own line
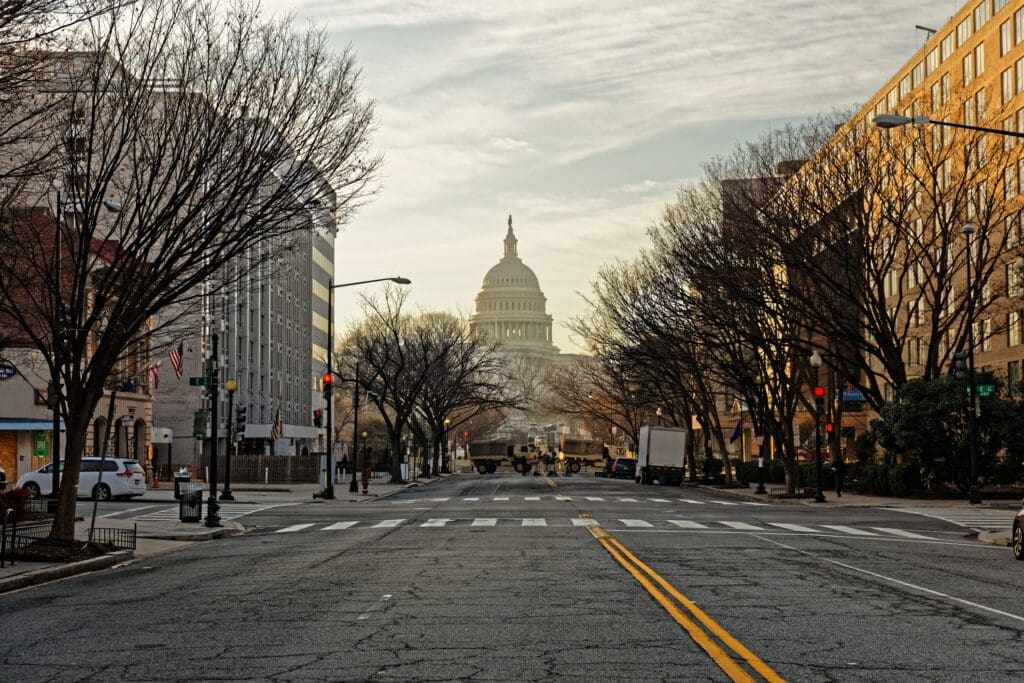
(27, 425)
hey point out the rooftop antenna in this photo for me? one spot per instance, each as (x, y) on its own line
(930, 31)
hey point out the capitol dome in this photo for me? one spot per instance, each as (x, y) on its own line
(511, 307)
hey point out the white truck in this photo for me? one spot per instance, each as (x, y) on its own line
(661, 455)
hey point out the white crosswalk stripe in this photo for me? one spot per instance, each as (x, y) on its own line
(532, 498)
(563, 498)
(595, 499)
(660, 500)
(731, 526)
(627, 500)
(501, 499)
(686, 524)
(691, 502)
(848, 530)
(898, 532)
(742, 526)
(723, 502)
(793, 527)
(972, 518)
(470, 499)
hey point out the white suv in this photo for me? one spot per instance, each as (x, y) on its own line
(121, 479)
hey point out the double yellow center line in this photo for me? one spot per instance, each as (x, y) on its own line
(664, 593)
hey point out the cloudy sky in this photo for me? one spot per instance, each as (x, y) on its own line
(578, 118)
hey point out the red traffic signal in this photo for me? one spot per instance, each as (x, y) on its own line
(318, 418)
(830, 427)
(328, 379)
(819, 392)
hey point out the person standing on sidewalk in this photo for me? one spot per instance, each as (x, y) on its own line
(839, 474)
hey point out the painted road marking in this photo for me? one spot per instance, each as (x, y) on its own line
(505, 498)
(691, 502)
(339, 525)
(294, 527)
(686, 524)
(468, 499)
(584, 522)
(563, 498)
(899, 532)
(660, 500)
(742, 525)
(535, 522)
(848, 530)
(387, 524)
(440, 500)
(627, 500)
(723, 502)
(794, 527)
(636, 523)
(440, 521)
(485, 521)
(595, 498)
(532, 498)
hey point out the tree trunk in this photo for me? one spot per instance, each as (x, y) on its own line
(396, 459)
(720, 438)
(63, 528)
(435, 460)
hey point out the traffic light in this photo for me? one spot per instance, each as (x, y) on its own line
(328, 385)
(960, 364)
(199, 422)
(830, 427)
(819, 396)
(318, 418)
(240, 422)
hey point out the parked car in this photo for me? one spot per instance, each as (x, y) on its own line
(1018, 535)
(121, 479)
(623, 468)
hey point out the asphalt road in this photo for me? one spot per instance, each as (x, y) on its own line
(503, 577)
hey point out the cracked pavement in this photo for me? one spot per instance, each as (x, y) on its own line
(538, 603)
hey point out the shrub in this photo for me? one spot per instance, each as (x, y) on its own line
(17, 500)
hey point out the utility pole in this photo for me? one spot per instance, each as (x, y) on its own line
(212, 371)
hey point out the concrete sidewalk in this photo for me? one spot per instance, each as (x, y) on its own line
(850, 499)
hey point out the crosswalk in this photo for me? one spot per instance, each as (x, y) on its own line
(227, 512)
(616, 524)
(979, 519)
(564, 499)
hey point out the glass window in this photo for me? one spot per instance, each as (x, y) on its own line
(904, 86)
(1005, 37)
(979, 60)
(1013, 377)
(90, 465)
(945, 87)
(986, 330)
(918, 73)
(963, 31)
(1006, 85)
(969, 112)
(890, 100)
(936, 96)
(947, 47)
(931, 62)
(998, 5)
(979, 104)
(980, 14)
(1010, 182)
(1018, 24)
(1018, 69)
(968, 68)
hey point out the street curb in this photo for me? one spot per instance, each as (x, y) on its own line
(745, 496)
(229, 529)
(48, 574)
(999, 538)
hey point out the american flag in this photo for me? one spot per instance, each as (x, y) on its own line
(176, 359)
(154, 372)
(277, 431)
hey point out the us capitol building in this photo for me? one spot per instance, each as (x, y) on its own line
(511, 308)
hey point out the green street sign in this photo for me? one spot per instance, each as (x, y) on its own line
(199, 381)
(986, 389)
(41, 444)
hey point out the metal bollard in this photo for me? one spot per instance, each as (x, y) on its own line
(9, 518)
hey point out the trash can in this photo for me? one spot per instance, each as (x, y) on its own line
(180, 478)
(190, 504)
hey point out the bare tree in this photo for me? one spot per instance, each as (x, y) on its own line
(215, 132)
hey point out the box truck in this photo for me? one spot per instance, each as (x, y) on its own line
(661, 456)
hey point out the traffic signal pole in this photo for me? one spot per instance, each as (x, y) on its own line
(226, 493)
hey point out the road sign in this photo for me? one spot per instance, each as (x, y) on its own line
(199, 381)
(6, 370)
(986, 389)
(853, 395)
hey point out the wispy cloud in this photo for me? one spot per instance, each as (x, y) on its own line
(580, 116)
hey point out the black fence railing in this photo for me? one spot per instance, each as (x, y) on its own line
(119, 538)
(270, 469)
(15, 537)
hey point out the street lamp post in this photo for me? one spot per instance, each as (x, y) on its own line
(658, 414)
(213, 374)
(896, 121)
(762, 412)
(398, 280)
(445, 466)
(819, 399)
(230, 386)
(972, 409)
